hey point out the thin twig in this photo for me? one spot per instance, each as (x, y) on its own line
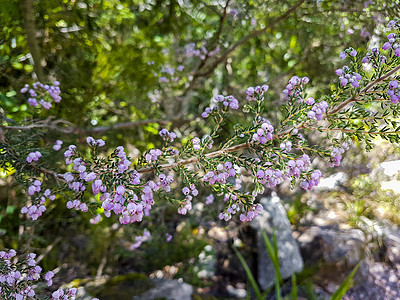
(48, 249)
(353, 130)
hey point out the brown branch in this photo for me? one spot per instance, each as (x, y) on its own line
(196, 159)
(365, 89)
(51, 124)
(122, 125)
(48, 249)
(250, 36)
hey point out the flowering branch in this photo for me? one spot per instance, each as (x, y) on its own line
(353, 130)
(193, 160)
(365, 89)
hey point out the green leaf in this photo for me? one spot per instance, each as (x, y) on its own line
(345, 286)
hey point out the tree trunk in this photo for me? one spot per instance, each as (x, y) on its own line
(26, 7)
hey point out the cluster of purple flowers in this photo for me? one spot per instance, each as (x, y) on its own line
(286, 146)
(140, 239)
(36, 210)
(393, 43)
(269, 177)
(317, 110)
(196, 143)
(294, 88)
(43, 89)
(296, 167)
(336, 155)
(375, 54)
(264, 133)
(134, 211)
(57, 145)
(153, 155)
(18, 280)
(350, 51)
(92, 142)
(394, 91)
(35, 187)
(256, 93)
(230, 101)
(80, 167)
(209, 199)
(251, 213)
(227, 101)
(209, 110)
(69, 153)
(122, 200)
(96, 219)
(312, 181)
(168, 71)
(187, 204)
(166, 135)
(165, 182)
(185, 207)
(67, 294)
(191, 50)
(221, 174)
(347, 76)
(227, 214)
(33, 156)
(124, 162)
(78, 205)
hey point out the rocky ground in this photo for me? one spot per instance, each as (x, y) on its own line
(322, 247)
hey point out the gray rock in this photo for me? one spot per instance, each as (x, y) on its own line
(392, 242)
(334, 244)
(375, 281)
(167, 289)
(290, 261)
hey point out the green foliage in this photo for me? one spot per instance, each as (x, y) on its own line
(108, 56)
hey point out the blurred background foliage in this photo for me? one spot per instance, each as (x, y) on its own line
(109, 55)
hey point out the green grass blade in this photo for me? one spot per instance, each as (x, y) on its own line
(293, 293)
(277, 289)
(249, 274)
(345, 286)
(272, 250)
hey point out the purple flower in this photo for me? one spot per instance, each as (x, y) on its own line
(343, 81)
(386, 46)
(310, 101)
(393, 84)
(339, 72)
